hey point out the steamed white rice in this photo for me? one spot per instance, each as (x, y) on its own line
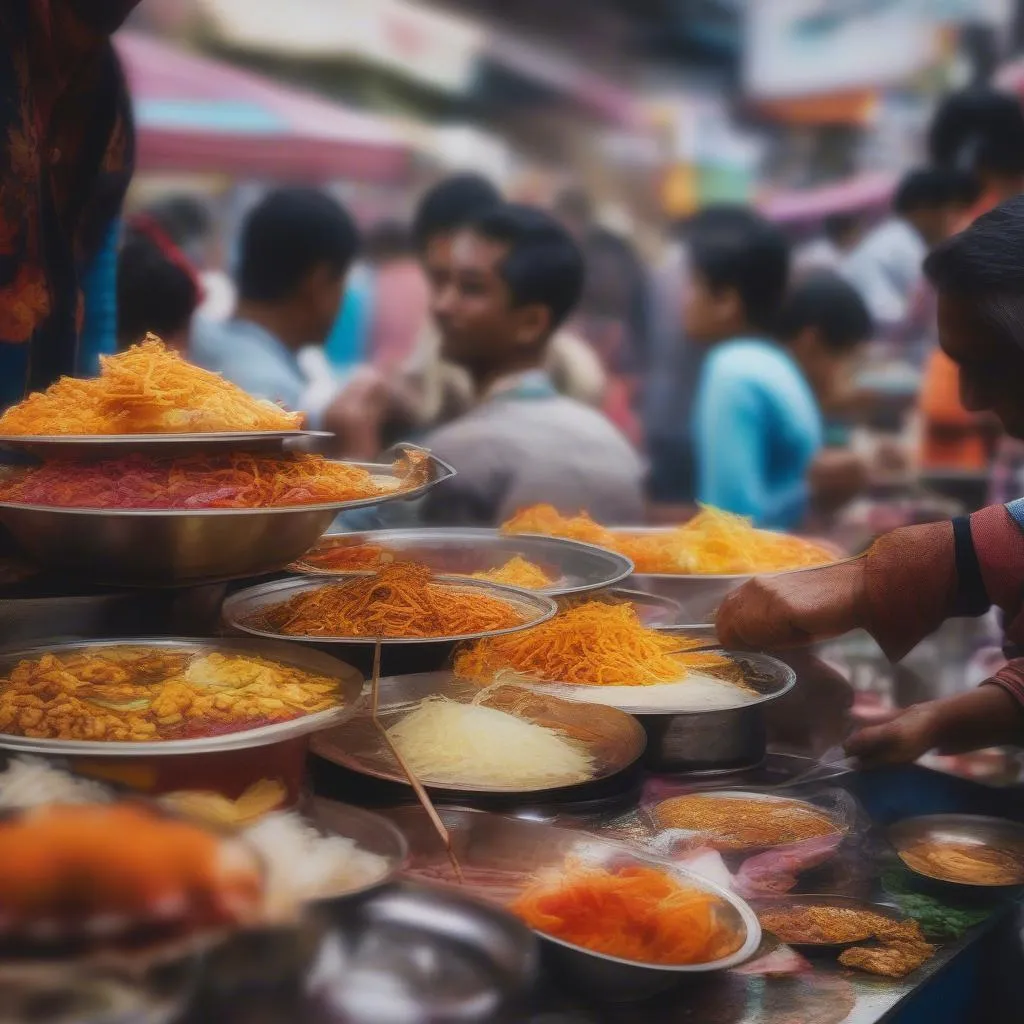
(34, 782)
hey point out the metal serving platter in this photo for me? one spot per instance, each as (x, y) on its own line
(768, 676)
(973, 829)
(350, 685)
(614, 739)
(501, 856)
(93, 446)
(179, 547)
(654, 611)
(243, 607)
(414, 953)
(841, 902)
(575, 568)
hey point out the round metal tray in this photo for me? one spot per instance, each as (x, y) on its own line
(614, 739)
(842, 902)
(576, 568)
(350, 684)
(92, 446)
(974, 829)
(177, 547)
(501, 856)
(654, 611)
(240, 609)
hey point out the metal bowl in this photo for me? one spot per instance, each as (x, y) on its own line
(177, 547)
(614, 739)
(505, 855)
(228, 763)
(653, 611)
(413, 953)
(843, 902)
(973, 829)
(111, 446)
(576, 568)
(242, 608)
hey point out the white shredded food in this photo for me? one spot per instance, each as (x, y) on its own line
(34, 782)
(695, 693)
(448, 743)
(303, 864)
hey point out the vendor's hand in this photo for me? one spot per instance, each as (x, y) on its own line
(356, 413)
(794, 609)
(902, 740)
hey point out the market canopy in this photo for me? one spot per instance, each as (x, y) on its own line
(194, 114)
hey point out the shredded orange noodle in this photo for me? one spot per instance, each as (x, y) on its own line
(146, 389)
(712, 543)
(401, 600)
(592, 644)
(633, 913)
(235, 480)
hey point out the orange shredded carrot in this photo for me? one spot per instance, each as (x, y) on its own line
(632, 912)
(145, 389)
(517, 572)
(234, 480)
(400, 600)
(335, 556)
(712, 543)
(591, 644)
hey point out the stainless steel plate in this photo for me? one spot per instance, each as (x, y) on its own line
(501, 856)
(842, 902)
(178, 547)
(241, 609)
(92, 446)
(575, 568)
(614, 739)
(972, 829)
(350, 684)
(653, 611)
(413, 953)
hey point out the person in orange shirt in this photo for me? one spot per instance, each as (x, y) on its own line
(980, 131)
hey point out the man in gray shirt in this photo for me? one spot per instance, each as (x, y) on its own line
(515, 276)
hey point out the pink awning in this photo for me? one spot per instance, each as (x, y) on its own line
(860, 192)
(194, 114)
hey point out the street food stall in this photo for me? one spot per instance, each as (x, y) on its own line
(439, 775)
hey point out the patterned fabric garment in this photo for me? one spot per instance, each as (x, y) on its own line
(67, 154)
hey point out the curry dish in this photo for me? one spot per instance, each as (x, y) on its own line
(139, 694)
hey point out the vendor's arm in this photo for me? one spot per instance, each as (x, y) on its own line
(907, 584)
(989, 716)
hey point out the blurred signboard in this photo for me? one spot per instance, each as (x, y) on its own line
(438, 49)
(801, 47)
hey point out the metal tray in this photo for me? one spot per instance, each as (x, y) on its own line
(654, 611)
(413, 953)
(577, 568)
(92, 446)
(178, 547)
(510, 852)
(975, 829)
(350, 685)
(615, 739)
(240, 609)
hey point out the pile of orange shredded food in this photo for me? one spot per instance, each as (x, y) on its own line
(965, 862)
(148, 389)
(740, 823)
(712, 543)
(633, 913)
(592, 644)
(233, 480)
(517, 572)
(402, 600)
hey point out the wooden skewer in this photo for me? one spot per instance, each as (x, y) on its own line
(417, 787)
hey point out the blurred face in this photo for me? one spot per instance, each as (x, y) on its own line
(480, 328)
(711, 314)
(991, 368)
(826, 370)
(320, 299)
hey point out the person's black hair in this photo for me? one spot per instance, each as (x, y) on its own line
(978, 129)
(927, 188)
(743, 250)
(184, 218)
(543, 265)
(833, 306)
(450, 205)
(838, 226)
(154, 293)
(387, 240)
(984, 264)
(289, 233)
